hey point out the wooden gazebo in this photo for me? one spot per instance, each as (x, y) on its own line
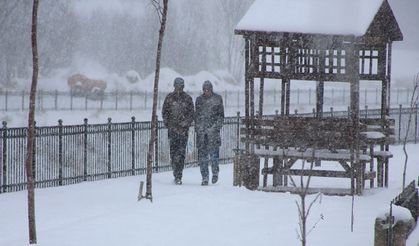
(324, 41)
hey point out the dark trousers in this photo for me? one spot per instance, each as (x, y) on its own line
(177, 153)
(208, 155)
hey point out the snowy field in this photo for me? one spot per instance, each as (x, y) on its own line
(107, 213)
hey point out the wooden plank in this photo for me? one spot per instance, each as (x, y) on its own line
(310, 190)
(378, 121)
(319, 154)
(318, 173)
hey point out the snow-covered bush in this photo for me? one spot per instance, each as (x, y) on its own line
(132, 76)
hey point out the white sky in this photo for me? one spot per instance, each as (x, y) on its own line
(111, 7)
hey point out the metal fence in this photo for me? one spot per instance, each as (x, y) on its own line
(134, 100)
(68, 154)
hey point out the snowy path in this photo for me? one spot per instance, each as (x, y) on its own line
(107, 213)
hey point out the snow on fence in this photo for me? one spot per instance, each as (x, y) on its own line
(118, 100)
(68, 154)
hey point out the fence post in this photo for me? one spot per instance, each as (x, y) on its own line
(39, 99)
(85, 102)
(344, 96)
(400, 121)
(156, 146)
(6, 93)
(56, 100)
(309, 96)
(60, 152)
(85, 149)
(71, 100)
(225, 98)
(274, 96)
(298, 95)
(109, 148)
(23, 100)
(398, 94)
(145, 99)
(116, 100)
(130, 100)
(132, 145)
(238, 99)
(158, 100)
(102, 95)
(407, 96)
(4, 157)
(365, 96)
(366, 111)
(331, 111)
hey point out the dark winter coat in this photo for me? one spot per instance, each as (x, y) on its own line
(209, 119)
(178, 113)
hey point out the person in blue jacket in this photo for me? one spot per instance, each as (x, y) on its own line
(209, 119)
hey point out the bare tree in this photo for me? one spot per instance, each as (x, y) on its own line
(31, 128)
(414, 100)
(162, 12)
(303, 207)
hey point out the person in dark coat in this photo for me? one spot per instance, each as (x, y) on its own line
(209, 119)
(178, 115)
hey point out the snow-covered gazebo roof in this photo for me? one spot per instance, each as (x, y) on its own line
(327, 17)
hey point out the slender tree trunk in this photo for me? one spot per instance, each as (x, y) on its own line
(303, 209)
(148, 194)
(31, 129)
(303, 220)
(413, 102)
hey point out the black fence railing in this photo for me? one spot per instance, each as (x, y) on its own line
(68, 154)
(142, 100)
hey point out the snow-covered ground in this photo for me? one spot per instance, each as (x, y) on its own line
(107, 213)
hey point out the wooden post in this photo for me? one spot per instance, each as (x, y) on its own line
(247, 90)
(319, 98)
(283, 90)
(288, 97)
(353, 72)
(320, 84)
(261, 93)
